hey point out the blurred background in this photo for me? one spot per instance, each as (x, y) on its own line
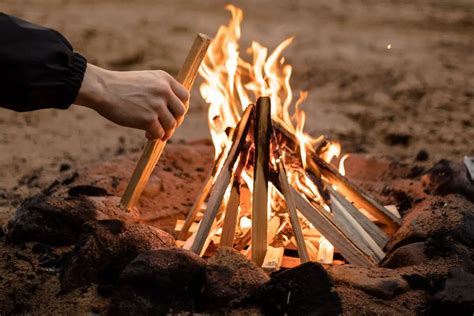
(384, 77)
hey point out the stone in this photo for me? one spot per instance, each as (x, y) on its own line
(457, 295)
(104, 249)
(422, 155)
(382, 283)
(158, 281)
(303, 290)
(231, 279)
(87, 190)
(447, 177)
(409, 232)
(408, 255)
(464, 232)
(51, 220)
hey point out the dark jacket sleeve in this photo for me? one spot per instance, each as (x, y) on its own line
(38, 68)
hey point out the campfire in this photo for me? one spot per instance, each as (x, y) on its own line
(273, 188)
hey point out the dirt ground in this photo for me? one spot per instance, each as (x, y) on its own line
(416, 95)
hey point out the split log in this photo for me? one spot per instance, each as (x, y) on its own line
(321, 220)
(153, 149)
(294, 220)
(353, 229)
(373, 230)
(231, 213)
(356, 194)
(222, 180)
(262, 135)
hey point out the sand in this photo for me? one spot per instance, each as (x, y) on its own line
(416, 95)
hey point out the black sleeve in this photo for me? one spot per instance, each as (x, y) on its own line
(38, 68)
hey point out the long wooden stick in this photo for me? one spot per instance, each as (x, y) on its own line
(262, 135)
(373, 230)
(231, 213)
(348, 188)
(183, 233)
(153, 149)
(222, 181)
(291, 206)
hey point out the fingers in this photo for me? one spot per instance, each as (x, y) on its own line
(177, 108)
(167, 121)
(155, 131)
(179, 90)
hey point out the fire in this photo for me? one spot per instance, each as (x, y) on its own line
(231, 83)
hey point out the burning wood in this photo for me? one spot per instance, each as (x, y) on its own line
(268, 173)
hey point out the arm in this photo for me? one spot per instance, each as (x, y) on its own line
(41, 70)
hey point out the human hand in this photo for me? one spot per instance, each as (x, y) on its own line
(149, 100)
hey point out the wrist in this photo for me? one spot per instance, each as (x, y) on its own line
(92, 93)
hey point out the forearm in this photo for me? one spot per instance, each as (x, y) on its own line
(39, 67)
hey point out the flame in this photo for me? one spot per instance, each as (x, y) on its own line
(231, 83)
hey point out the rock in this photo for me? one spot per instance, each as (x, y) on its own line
(398, 138)
(87, 190)
(104, 249)
(408, 255)
(51, 220)
(160, 280)
(379, 282)
(231, 279)
(457, 295)
(464, 232)
(447, 177)
(422, 155)
(304, 290)
(409, 232)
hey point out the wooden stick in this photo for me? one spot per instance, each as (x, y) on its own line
(153, 149)
(231, 213)
(273, 258)
(322, 221)
(222, 180)
(373, 230)
(354, 231)
(262, 135)
(183, 234)
(360, 197)
(357, 195)
(294, 220)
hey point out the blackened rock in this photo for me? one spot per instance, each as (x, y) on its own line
(304, 290)
(157, 281)
(51, 220)
(379, 282)
(457, 295)
(408, 255)
(448, 177)
(231, 280)
(105, 248)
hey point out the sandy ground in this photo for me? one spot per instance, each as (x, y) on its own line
(416, 95)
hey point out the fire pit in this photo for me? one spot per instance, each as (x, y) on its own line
(265, 220)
